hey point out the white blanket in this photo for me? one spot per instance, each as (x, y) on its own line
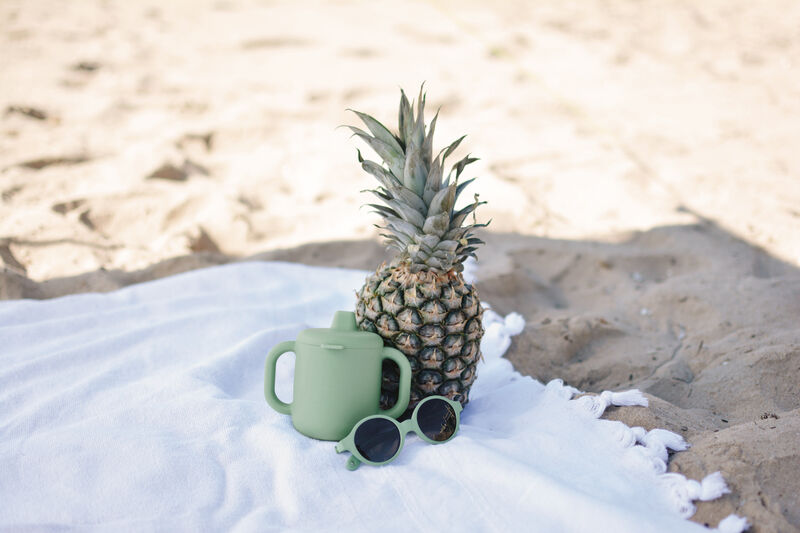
(143, 410)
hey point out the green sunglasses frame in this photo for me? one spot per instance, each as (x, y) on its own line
(347, 444)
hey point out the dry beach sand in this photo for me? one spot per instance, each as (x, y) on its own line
(641, 161)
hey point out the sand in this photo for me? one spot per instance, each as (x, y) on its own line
(640, 161)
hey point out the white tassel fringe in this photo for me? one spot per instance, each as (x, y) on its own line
(684, 491)
(597, 405)
(498, 332)
(654, 446)
(732, 524)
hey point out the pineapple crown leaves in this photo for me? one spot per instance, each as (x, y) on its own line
(417, 201)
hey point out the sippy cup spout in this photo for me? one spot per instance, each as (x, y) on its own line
(344, 321)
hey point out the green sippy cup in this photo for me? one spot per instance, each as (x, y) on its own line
(337, 378)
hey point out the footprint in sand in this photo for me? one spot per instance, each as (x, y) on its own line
(200, 241)
(27, 111)
(363, 53)
(273, 42)
(44, 162)
(63, 208)
(189, 140)
(85, 217)
(86, 66)
(171, 172)
(9, 193)
(8, 259)
(86, 220)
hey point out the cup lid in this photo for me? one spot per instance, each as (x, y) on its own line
(342, 334)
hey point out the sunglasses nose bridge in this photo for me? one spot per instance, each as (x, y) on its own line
(407, 426)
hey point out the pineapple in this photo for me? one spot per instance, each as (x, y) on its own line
(419, 302)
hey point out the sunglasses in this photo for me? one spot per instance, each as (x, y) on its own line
(378, 439)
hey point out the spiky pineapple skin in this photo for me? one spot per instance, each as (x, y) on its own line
(435, 319)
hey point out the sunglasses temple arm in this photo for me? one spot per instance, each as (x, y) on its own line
(353, 463)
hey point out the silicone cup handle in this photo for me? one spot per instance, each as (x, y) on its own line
(269, 377)
(405, 381)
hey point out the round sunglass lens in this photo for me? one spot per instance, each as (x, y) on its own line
(377, 440)
(437, 419)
